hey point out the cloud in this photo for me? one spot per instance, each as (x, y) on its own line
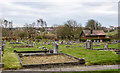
(58, 11)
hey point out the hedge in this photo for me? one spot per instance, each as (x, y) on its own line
(38, 37)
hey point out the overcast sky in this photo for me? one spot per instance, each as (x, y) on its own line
(59, 11)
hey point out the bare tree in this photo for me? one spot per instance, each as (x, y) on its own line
(41, 23)
(92, 24)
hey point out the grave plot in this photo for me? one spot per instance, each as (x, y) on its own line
(48, 59)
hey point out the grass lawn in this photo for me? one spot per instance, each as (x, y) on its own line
(112, 33)
(92, 57)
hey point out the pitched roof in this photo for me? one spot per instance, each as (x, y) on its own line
(94, 32)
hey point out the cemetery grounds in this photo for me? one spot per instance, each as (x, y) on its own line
(92, 57)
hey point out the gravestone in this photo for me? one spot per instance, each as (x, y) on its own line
(28, 43)
(49, 43)
(50, 51)
(61, 42)
(45, 49)
(89, 44)
(69, 43)
(17, 40)
(21, 40)
(35, 41)
(105, 46)
(33, 44)
(55, 47)
(45, 43)
(114, 42)
(98, 41)
(101, 41)
(94, 40)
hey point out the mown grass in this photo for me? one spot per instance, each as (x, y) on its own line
(112, 33)
(92, 57)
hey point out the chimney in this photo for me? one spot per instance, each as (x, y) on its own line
(91, 31)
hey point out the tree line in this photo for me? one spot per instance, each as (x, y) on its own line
(71, 29)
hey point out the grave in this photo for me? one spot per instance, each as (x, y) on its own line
(55, 47)
(101, 41)
(89, 44)
(105, 46)
(98, 41)
(49, 43)
(48, 60)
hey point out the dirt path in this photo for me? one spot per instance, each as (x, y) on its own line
(74, 68)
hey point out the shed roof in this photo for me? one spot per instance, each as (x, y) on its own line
(94, 32)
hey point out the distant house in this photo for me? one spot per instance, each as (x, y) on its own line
(92, 34)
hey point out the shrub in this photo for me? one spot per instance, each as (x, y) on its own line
(106, 39)
(49, 36)
(38, 37)
(82, 40)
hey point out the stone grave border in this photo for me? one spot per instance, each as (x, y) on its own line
(79, 62)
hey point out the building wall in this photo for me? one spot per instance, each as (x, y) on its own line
(88, 37)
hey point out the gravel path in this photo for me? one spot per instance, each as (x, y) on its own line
(74, 68)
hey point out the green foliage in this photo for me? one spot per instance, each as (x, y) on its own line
(38, 37)
(106, 39)
(82, 40)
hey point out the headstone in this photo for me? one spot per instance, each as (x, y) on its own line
(94, 40)
(61, 42)
(50, 51)
(105, 46)
(21, 40)
(114, 42)
(118, 41)
(43, 47)
(35, 41)
(45, 43)
(89, 44)
(101, 41)
(98, 41)
(69, 43)
(17, 40)
(55, 48)
(33, 44)
(49, 43)
(67, 46)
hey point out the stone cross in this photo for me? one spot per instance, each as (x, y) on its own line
(55, 47)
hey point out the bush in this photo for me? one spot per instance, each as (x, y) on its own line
(38, 37)
(49, 36)
(106, 39)
(82, 40)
